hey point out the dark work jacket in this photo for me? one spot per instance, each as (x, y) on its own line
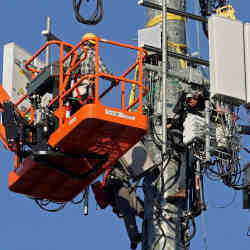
(116, 179)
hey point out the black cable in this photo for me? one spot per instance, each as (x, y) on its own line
(86, 201)
(228, 183)
(247, 150)
(248, 231)
(94, 19)
(208, 7)
(227, 204)
(187, 238)
(43, 206)
(194, 229)
(156, 139)
(78, 201)
(159, 213)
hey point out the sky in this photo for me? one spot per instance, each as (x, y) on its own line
(23, 226)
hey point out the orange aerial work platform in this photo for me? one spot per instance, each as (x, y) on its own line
(88, 141)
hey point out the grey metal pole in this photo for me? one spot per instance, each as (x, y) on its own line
(207, 138)
(196, 7)
(86, 202)
(201, 191)
(164, 76)
(48, 29)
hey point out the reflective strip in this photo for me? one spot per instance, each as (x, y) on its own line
(158, 19)
(177, 46)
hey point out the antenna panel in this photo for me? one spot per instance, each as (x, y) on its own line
(150, 36)
(247, 60)
(15, 76)
(227, 66)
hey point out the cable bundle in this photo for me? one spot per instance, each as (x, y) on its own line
(95, 18)
(208, 7)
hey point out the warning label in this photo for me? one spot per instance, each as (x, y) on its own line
(119, 114)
